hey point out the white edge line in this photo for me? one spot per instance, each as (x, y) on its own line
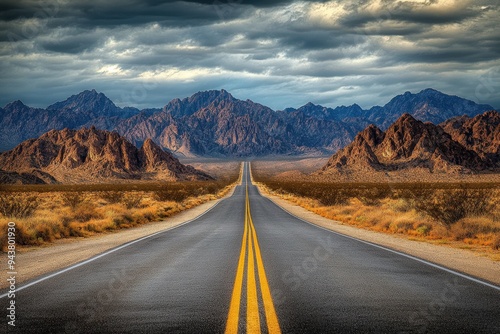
(470, 278)
(79, 264)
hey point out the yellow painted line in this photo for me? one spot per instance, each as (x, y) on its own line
(254, 257)
(253, 320)
(273, 326)
(234, 307)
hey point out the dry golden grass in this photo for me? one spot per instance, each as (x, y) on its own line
(49, 212)
(467, 214)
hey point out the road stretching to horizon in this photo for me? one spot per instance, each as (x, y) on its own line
(247, 266)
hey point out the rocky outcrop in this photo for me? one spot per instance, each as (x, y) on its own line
(480, 134)
(153, 159)
(408, 143)
(88, 155)
(360, 153)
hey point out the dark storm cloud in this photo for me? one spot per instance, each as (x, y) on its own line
(435, 56)
(118, 13)
(279, 52)
(410, 14)
(311, 40)
(72, 44)
(132, 12)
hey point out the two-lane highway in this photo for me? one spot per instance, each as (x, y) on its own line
(248, 266)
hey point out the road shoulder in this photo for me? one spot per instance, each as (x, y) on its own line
(456, 259)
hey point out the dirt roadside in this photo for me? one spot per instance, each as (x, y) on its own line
(456, 259)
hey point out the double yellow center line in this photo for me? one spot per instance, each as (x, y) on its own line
(251, 251)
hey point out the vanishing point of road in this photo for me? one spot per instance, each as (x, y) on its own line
(247, 266)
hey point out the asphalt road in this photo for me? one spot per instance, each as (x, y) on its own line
(248, 266)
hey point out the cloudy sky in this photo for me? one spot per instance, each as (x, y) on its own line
(279, 53)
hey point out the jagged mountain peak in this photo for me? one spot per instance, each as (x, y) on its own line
(88, 100)
(371, 134)
(310, 105)
(406, 117)
(212, 94)
(89, 93)
(424, 92)
(18, 104)
(430, 91)
(405, 121)
(190, 105)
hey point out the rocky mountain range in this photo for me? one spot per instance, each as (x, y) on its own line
(429, 105)
(214, 123)
(459, 145)
(89, 155)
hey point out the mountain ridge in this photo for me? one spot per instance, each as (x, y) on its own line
(214, 123)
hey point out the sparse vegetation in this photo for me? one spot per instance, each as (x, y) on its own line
(16, 206)
(132, 200)
(46, 213)
(448, 206)
(112, 196)
(71, 199)
(466, 212)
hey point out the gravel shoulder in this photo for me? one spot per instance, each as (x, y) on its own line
(32, 262)
(456, 259)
